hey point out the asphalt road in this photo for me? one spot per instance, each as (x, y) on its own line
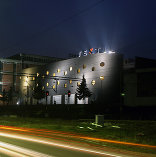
(38, 147)
(19, 147)
(29, 142)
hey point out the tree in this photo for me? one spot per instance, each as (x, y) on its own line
(39, 93)
(10, 92)
(82, 90)
(4, 98)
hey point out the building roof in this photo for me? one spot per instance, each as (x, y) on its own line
(144, 63)
(34, 58)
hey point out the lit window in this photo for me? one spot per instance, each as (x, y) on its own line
(53, 74)
(37, 84)
(70, 81)
(47, 72)
(58, 82)
(78, 70)
(58, 70)
(26, 79)
(53, 86)
(65, 85)
(47, 84)
(37, 74)
(65, 73)
(84, 66)
(93, 68)
(43, 88)
(33, 78)
(20, 77)
(78, 83)
(43, 76)
(93, 82)
(102, 64)
(33, 88)
(70, 68)
(101, 77)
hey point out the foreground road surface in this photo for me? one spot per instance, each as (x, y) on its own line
(25, 142)
(23, 146)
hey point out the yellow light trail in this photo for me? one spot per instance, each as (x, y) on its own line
(61, 133)
(13, 150)
(58, 145)
(11, 153)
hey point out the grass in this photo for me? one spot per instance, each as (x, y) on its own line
(143, 132)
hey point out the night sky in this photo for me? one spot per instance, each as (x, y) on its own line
(59, 27)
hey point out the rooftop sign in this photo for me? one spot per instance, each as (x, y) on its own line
(92, 51)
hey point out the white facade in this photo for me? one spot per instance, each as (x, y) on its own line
(101, 71)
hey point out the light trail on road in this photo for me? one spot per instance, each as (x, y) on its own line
(31, 139)
(44, 132)
(17, 151)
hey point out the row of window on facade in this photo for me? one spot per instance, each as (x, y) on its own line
(71, 68)
(93, 82)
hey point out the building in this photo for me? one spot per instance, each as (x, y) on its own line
(11, 71)
(139, 82)
(110, 80)
(102, 71)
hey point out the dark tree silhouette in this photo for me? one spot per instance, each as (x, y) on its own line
(82, 90)
(39, 93)
(4, 98)
(10, 95)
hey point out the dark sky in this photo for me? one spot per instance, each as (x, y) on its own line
(59, 27)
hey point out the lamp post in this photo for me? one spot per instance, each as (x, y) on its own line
(27, 86)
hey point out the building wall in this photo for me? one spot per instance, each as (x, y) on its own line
(140, 87)
(7, 77)
(130, 88)
(11, 72)
(107, 90)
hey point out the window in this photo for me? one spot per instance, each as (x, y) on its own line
(20, 77)
(93, 68)
(53, 86)
(43, 76)
(101, 77)
(102, 64)
(37, 84)
(146, 86)
(37, 74)
(70, 68)
(93, 82)
(47, 84)
(33, 78)
(65, 73)
(53, 74)
(58, 70)
(65, 85)
(78, 70)
(43, 88)
(58, 82)
(78, 83)
(70, 81)
(47, 72)
(84, 66)
(26, 79)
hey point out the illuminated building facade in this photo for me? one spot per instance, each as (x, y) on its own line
(11, 71)
(102, 71)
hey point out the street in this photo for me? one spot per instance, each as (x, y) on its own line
(18, 145)
(24, 142)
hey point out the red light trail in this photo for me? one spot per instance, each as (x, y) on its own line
(51, 134)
